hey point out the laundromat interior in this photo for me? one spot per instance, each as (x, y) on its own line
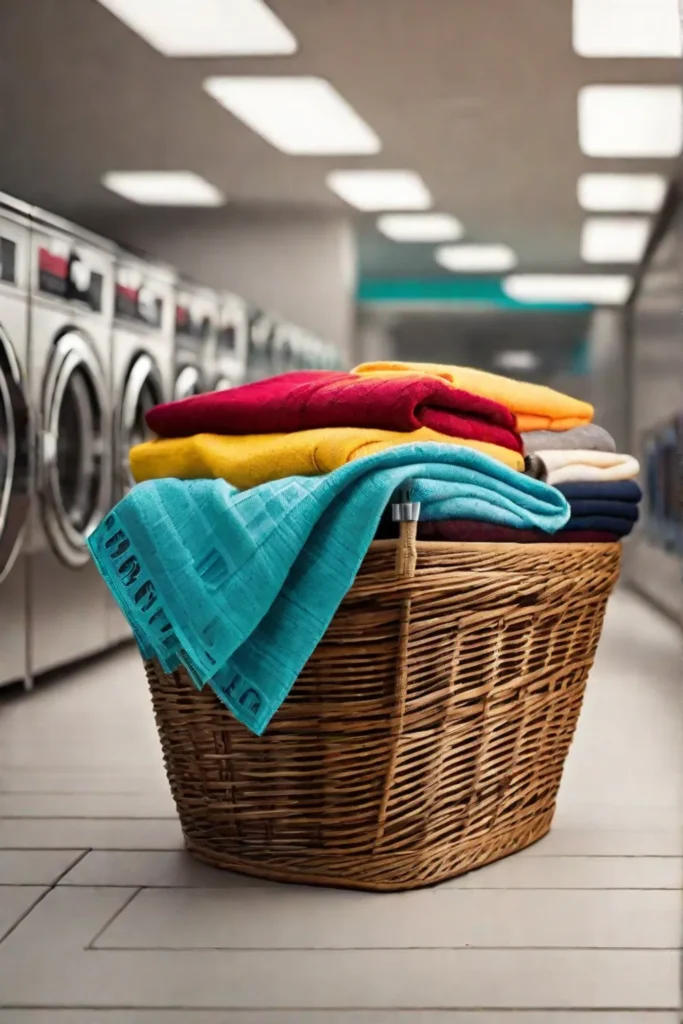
(376, 194)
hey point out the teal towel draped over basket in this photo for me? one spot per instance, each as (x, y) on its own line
(240, 586)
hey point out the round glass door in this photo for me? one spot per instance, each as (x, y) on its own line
(188, 383)
(75, 457)
(14, 458)
(142, 391)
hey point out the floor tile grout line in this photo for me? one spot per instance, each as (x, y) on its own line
(5, 935)
(94, 1008)
(86, 817)
(376, 949)
(81, 856)
(110, 921)
(50, 887)
(440, 891)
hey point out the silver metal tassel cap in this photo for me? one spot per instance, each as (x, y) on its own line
(403, 508)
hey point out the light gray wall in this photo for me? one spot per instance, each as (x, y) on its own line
(656, 395)
(301, 268)
(608, 382)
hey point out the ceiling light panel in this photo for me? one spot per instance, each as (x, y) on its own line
(163, 188)
(614, 239)
(475, 259)
(627, 28)
(632, 193)
(594, 289)
(630, 120)
(301, 116)
(205, 28)
(381, 190)
(517, 359)
(420, 227)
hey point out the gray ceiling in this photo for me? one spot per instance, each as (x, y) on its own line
(478, 96)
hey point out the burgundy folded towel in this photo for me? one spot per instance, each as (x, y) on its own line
(469, 530)
(311, 399)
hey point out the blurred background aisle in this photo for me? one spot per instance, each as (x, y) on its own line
(199, 195)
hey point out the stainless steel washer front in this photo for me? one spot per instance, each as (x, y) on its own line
(74, 468)
(15, 439)
(142, 390)
(188, 383)
(71, 310)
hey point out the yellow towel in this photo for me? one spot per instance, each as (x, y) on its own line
(257, 458)
(535, 406)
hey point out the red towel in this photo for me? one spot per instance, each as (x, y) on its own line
(310, 399)
(465, 530)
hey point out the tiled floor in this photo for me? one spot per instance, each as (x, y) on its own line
(104, 920)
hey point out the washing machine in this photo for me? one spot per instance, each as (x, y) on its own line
(228, 358)
(284, 345)
(196, 321)
(71, 307)
(142, 372)
(15, 438)
(261, 341)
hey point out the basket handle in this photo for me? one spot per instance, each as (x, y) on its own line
(406, 512)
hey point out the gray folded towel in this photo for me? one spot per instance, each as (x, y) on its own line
(591, 437)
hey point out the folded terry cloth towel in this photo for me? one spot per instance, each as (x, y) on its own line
(470, 531)
(618, 525)
(258, 458)
(603, 507)
(602, 490)
(535, 407)
(581, 464)
(590, 437)
(239, 587)
(311, 399)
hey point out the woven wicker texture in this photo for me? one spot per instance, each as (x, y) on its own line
(425, 737)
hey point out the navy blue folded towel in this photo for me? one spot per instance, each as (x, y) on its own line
(602, 490)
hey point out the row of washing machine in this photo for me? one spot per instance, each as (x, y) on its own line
(90, 338)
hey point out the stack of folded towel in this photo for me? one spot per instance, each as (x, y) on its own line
(311, 422)
(597, 481)
(255, 507)
(576, 456)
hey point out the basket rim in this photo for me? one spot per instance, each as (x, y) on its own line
(388, 544)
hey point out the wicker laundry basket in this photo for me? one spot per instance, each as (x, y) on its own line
(425, 737)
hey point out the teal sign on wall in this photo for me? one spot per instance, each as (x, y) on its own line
(483, 291)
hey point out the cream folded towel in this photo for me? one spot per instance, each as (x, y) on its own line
(583, 464)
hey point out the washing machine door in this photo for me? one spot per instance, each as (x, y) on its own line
(14, 456)
(74, 460)
(188, 383)
(141, 392)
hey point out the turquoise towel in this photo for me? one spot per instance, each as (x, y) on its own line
(239, 587)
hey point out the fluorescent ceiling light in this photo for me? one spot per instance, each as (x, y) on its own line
(637, 193)
(630, 120)
(517, 359)
(627, 28)
(476, 258)
(163, 188)
(205, 28)
(420, 227)
(297, 115)
(596, 289)
(381, 190)
(614, 239)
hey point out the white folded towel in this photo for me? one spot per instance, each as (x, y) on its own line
(581, 464)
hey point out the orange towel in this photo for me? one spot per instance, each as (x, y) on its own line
(535, 407)
(253, 459)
